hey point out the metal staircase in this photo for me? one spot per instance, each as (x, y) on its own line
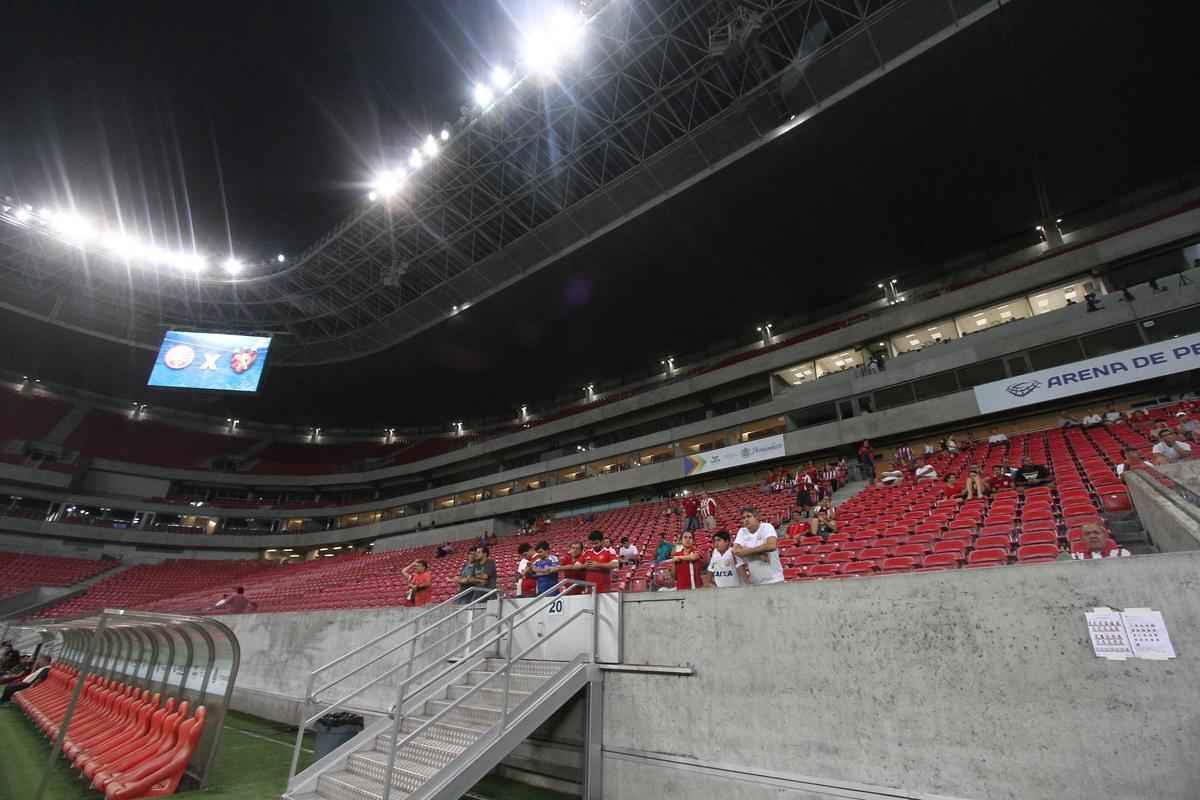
(464, 700)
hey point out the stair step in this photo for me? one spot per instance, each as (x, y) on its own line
(424, 750)
(472, 714)
(546, 669)
(407, 775)
(348, 786)
(489, 697)
(521, 683)
(452, 733)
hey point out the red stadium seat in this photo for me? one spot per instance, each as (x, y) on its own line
(1037, 553)
(990, 557)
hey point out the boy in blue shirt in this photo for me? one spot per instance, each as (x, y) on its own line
(545, 567)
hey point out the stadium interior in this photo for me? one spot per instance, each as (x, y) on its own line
(782, 400)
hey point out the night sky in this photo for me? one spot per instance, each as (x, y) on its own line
(290, 106)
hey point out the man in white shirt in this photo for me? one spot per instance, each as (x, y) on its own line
(1093, 418)
(725, 568)
(628, 552)
(925, 471)
(1171, 448)
(1094, 543)
(1112, 415)
(757, 544)
(997, 437)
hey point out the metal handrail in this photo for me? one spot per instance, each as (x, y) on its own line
(506, 669)
(312, 695)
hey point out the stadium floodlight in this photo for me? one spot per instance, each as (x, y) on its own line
(388, 183)
(74, 228)
(372, 196)
(189, 262)
(430, 148)
(445, 134)
(501, 78)
(232, 265)
(281, 258)
(122, 246)
(416, 160)
(484, 96)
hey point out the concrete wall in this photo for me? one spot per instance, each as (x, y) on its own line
(978, 684)
(1173, 524)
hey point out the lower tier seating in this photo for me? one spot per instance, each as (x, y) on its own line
(20, 572)
(124, 741)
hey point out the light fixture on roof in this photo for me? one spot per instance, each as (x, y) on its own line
(445, 135)
(281, 258)
(547, 45)
(388, 182)
(416, 159)
(232, 265)
(483, 94)
(430, 148)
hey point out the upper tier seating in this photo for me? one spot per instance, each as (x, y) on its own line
(20, 572)
(27, 417)
(102, 434)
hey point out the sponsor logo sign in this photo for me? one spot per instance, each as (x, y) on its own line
(734, 456)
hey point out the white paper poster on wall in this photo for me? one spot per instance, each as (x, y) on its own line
(1132, 633)
(734, 456)
(1104, 372)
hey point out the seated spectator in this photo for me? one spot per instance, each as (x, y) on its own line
(1112, 415)
(822, 525)
(892, 477)
(1030, 474)
(40, 671)
(952, 488)
(420, 582)
(237, 603)
(1067, 421)
(826, 505)
(628, 552)
(1170, 448)
(1092, 419)
(996, 437)
(974, 487)
(1094, 543)
(925, 471)
(1000, 479)
(664, 549)
(444, 550)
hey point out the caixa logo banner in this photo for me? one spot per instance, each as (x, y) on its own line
(1127, 366)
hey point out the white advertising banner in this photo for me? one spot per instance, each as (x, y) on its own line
(734, 456)
(1104, 372)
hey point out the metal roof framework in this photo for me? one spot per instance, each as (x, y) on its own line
(666, 92)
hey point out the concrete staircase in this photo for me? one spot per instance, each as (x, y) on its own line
(450, 753)
(1127, 529)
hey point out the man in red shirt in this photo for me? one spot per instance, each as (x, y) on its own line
(688, 564)
(599, 563)
(571, 568)
(691, 510)
(1000, 479)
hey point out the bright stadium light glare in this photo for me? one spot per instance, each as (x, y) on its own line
(430, 147)
(281, 258)
(388, 183)
(501, 78)
(74, 228)
(372, 196)
(445, 135)
(23, 214)
(416, 160)
(190, 262)
(122, 246)
(232, 265)
(483, 95)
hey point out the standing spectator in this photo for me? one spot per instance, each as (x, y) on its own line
(725, 568)
(904, 454)
(545, 568)
(571, 568)
(1094, 543)
(599, 562)
(526, 580)
(420, 582)
(866, 457)
(708, 511)
(804, 491)
(628, 552)
(687, 563)
(1170, 448)
(757, 544)
(691, 513)
(829, 477)
(663, 553)
(478, 575)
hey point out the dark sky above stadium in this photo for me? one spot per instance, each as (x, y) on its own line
(272, 115)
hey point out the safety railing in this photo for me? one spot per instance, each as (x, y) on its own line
(506, 625)
(1167, 482)
(468, 597)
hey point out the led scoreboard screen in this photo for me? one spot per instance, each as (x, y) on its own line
(222, 362)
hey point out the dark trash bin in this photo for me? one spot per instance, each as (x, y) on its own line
(333, 731)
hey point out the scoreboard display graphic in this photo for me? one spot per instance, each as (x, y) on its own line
(222, 362)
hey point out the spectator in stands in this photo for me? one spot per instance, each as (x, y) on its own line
(724, 567)
(1170, 448)
(1112, 415)
(951, 488)
(1093, 419)
(665, 546)
(599, 562)
(826, 505)
(686, 558)
(925, 471)
(444, 550)
(904, 454)
(9, 657)
(1067, 421)
(420, 582)
(928, 449)
(1001, 479)
(866, 457)
(822, 525)
(708, 511)
(1030, 474)
(571, 567)
(526, 580)
(757, 543)
(805, 491)
(236, 603)
(892, 477)
(691, 513)
(545, 568)
(1094, 543)
(478, 575)
(41, 669)
(974, 487)
(628, 552)
(997, 437)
